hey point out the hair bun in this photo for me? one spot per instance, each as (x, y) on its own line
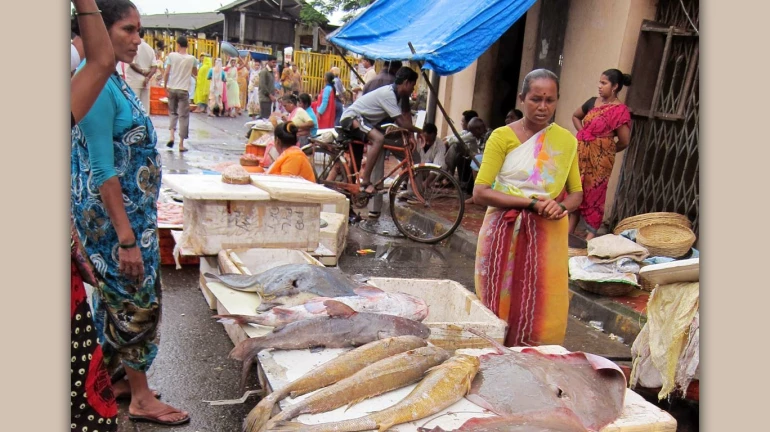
(626, 79)
(291, 128)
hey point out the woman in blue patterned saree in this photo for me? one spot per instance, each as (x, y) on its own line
(115, 175)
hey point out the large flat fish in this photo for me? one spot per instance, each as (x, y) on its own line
(442, 387)
(367, 299)
(302, 282)
(331, 372)
(343, 328)
(386, 375)
(591, 387)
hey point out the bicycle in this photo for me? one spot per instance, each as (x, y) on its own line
(418, 187)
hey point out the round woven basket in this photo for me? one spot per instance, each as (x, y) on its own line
(610, 289)
(666, 240)
(636, 222)
(646, 285)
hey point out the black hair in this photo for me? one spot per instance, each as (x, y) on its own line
(615, 76)
(112, 12)
(371, 62)
(305, 99)
(536, 75)
(429, 128)
(286, 133)
(469, 115)
(182, 41)
(271, 58)
(329, 78)
(518, 112)
(405, 74)
(394, 66)
(290, 98)
(141, 33)
(160, 44)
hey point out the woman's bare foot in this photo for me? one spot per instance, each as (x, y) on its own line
(152, 410)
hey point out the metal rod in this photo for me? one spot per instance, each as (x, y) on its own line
(688, 82)
(661, 71)
(361, 80)
(438, 102)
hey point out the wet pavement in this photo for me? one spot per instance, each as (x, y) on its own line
(192, 364)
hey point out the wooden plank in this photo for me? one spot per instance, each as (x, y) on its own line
(208, 265)
(661, 70)
(647, 62)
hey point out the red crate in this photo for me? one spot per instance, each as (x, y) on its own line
(156, 93)
(158, 108)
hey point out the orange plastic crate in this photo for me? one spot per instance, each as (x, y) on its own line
(158, 108)
(156, 93)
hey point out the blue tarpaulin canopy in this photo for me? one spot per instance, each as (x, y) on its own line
(448, 35)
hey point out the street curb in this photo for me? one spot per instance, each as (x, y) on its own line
(584, 305)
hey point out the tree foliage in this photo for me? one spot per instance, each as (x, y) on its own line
(316, 11)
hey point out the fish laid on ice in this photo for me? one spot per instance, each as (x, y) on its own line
(551, 421)
(388, 374)
(442, 387)
(291, 284)
(331, 372)
(368, 299)
(343, 328)
(591, 387)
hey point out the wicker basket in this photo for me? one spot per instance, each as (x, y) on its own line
(610, 289)
(636, 222)
(646, 285)
(666, 240)
(573, 252)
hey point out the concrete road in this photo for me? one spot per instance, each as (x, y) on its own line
(192, 364)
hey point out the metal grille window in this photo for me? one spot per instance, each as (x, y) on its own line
(660, 169)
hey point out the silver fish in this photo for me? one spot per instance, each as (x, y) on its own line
(291, 284)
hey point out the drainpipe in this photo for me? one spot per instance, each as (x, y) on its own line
(430, 112)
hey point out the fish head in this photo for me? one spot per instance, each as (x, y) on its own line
(404, 326)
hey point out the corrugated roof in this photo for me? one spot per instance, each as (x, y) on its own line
(186, 21)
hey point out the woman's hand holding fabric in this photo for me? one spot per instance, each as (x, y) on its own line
(131, 264)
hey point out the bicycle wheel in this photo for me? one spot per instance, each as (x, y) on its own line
(437, 215)
(323, 160)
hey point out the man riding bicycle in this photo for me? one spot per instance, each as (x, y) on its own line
(390, 102)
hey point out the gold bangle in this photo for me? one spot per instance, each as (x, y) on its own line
(97, 12)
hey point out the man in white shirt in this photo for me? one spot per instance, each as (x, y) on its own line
(181, 66)
(138, 73)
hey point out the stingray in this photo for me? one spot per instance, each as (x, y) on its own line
(516, 384)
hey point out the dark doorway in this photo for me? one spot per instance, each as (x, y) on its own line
(501, 82)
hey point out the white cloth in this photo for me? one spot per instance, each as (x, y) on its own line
(145, 57)
(74, 58)
(517, 169)
(583, 269)
(375, 106)
(181, 70)
(435, 154)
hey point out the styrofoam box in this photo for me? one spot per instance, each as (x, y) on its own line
(452, 311)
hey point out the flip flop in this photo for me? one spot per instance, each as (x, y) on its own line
(170, 144)
(156, 419)
(182, 150)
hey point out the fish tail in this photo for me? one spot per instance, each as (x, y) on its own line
(238, 319)
(259, 415)
(245, 352)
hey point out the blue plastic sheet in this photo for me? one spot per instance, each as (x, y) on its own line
(448, 35)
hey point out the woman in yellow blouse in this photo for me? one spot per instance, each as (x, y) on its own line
(521, 257)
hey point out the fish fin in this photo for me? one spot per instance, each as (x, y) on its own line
(317, 349)
(260, 414)
(208, 275)
(282, 312)
(267, 306)
(367, 291)
(337, 309)
(501, 349)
